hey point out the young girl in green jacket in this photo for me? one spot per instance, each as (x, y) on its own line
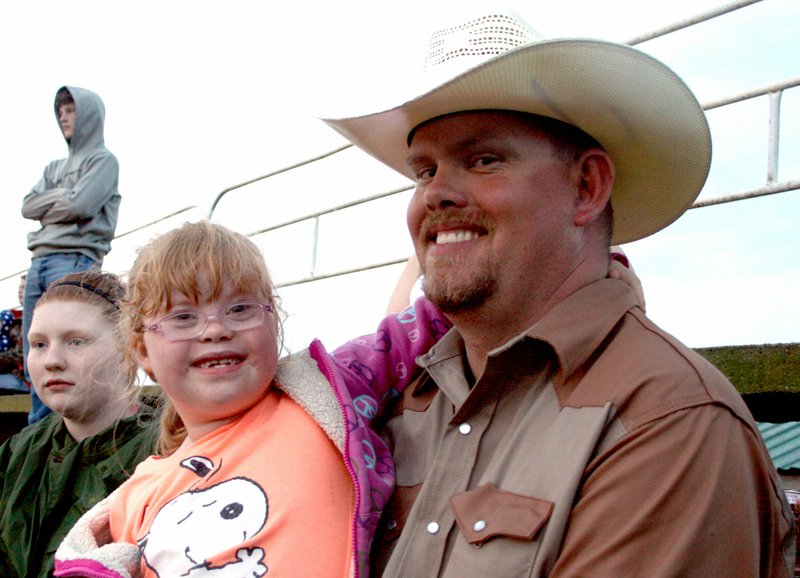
(58, 468)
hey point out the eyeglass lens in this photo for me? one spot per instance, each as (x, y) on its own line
(235, 317)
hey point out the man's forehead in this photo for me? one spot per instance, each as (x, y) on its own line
(465, 129)
(446, 118)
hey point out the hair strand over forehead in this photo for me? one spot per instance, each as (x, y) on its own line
(196, 254)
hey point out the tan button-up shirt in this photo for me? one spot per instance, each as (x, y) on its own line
(594, 444)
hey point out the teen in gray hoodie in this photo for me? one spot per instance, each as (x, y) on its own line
(76, 203)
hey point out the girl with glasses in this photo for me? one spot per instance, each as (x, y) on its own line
(256, 453)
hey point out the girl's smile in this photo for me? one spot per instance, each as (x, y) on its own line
(216, 361)
(218, 375)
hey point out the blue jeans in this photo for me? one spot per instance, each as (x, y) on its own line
(43, 271)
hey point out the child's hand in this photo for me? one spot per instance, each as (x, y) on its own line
(401, 296)
(88, 545)
(616, 270)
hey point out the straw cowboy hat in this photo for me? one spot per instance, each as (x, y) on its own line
(639, 110)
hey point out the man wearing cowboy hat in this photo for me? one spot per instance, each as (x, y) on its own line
(556, 430)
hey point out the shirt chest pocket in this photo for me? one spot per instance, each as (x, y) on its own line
(499, 533)
(488, 512)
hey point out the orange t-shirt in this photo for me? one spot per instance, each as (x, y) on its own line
(268, 492)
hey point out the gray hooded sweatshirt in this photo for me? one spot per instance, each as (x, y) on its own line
(77, 201)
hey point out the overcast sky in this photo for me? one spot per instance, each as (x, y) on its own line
(201, 96)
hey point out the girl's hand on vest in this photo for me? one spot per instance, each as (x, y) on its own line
(619, 268)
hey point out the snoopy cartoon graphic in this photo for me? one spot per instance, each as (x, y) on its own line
(200, 523)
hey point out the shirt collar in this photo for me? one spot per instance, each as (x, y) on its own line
(574, 328)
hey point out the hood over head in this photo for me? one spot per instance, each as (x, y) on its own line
(90, 116)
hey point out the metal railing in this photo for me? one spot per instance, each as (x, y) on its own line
(686, 23)
(774, 92)
(771, 186)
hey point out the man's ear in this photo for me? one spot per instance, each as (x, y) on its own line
(594, 187)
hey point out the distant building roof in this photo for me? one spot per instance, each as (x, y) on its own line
(783, 443)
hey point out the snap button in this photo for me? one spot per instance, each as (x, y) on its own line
(433, 528)
(391, 524)
(479, 526)
(464, 429)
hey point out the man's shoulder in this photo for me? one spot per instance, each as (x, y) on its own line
(646, 373)
(646, 341)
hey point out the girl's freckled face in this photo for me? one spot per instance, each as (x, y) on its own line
(219, 375)
(73, 358)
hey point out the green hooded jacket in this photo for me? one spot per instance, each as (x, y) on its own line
(48, 480)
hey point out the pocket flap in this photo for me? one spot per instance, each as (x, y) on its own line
(487, 511)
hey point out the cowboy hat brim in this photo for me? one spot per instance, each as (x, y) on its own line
(638, 109)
